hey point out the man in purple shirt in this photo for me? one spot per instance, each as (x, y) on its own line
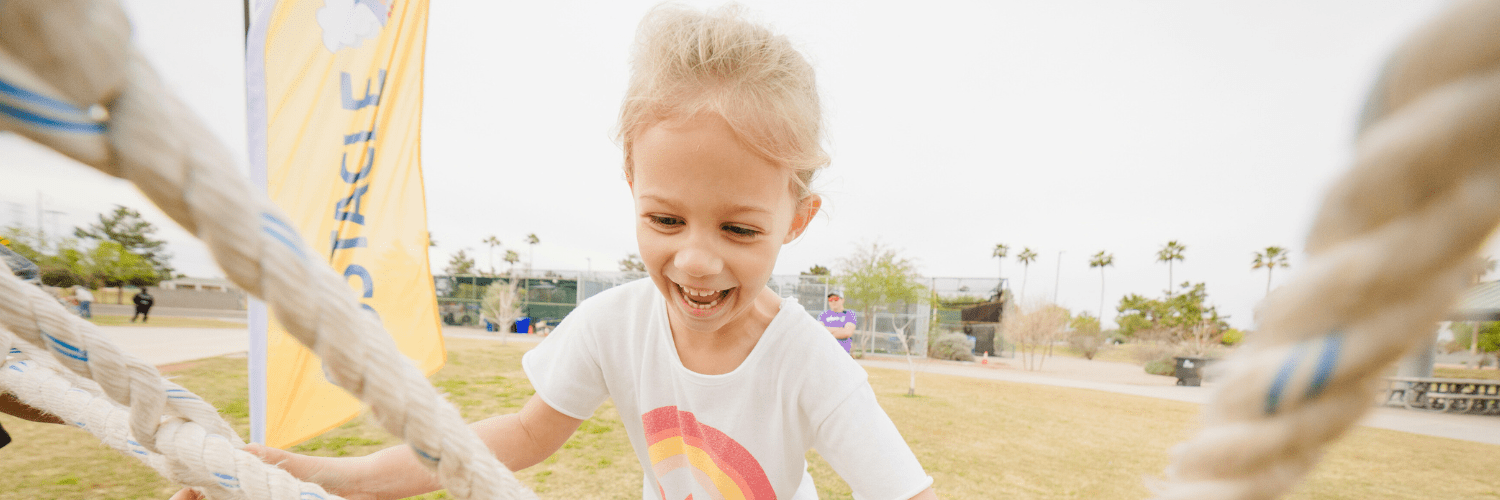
(839, 322)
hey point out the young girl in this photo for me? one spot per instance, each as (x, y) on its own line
(722, 385)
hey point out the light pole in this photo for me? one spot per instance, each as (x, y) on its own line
(1057, 279)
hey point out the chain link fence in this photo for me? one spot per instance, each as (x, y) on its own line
(548, 296)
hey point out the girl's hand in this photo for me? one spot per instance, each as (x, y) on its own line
(330, 473)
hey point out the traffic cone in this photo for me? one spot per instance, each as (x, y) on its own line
(986, 359)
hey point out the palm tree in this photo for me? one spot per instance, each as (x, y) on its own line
(1272, 258)
(1000, 252)
(532, 240)
(1101, 260)
(1173, 251)
(512, 257)
(1027, 256)
(493, 242)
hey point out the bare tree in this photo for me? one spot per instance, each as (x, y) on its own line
(502, 305)
(1032, 328)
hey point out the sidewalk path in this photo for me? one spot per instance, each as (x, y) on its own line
(166, 345)
(1126, 378)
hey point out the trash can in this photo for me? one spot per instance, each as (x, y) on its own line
(523, 325)
(490, 326)
(1190, 370)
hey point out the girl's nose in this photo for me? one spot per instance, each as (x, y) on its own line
(698, 260)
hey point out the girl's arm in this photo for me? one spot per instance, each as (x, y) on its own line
(519, 440)
(926, 494)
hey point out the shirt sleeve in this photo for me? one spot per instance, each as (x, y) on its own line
(863, 446)
(564, 369)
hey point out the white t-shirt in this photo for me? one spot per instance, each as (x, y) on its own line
(741, 434)
(83, 295)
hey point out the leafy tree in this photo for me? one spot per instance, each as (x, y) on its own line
(817, 270)
(1101, 260)
(1173, 319)
(1169, 253)
(632, 263)
(1486, 342)
(875, 276)
(126, 227)
(26, 242)
(1001, 250)
(460, 263)
(109, 264)
(492, 242)
(1270, 259)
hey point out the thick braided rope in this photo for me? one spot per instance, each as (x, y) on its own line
(1389, 252)
(35, 317)
(156, 143)
(191, 454)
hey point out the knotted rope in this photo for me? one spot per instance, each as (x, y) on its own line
(1389, 252)
(190, 452)
(64, 66)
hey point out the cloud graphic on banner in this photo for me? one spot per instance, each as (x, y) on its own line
(348, 23)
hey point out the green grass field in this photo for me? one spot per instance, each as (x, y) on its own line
(978, 439)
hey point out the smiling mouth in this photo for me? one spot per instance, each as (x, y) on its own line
(702, 299)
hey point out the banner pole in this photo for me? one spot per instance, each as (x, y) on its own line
(255, 116)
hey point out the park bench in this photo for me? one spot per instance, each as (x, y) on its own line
(1444, 394)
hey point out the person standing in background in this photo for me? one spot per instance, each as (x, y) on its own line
(839, 322)
(143, 301)
(84, 300)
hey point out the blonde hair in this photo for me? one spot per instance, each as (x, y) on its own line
(687, 62)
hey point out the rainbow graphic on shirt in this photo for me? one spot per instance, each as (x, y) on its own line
(688, 458)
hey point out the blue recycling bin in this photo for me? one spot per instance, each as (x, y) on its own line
(523, 325)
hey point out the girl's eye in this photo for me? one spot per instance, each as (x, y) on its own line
(662, 220)
(740, 230)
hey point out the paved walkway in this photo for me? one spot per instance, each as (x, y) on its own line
(164, 345)
(1126, 378)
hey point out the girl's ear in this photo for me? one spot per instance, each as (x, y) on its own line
(805, 211)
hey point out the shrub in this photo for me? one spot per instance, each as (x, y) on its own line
(1161, 367)
(954, 346)
(1232, 337)
(1087, 343)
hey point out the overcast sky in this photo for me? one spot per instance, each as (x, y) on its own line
(1064, 126)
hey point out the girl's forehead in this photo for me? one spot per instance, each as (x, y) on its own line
(702, 159)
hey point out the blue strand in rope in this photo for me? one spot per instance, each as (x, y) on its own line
(1332, 345)
(1273, 398)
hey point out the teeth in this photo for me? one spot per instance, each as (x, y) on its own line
(700, 293)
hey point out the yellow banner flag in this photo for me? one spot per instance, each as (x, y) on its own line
(335, 109)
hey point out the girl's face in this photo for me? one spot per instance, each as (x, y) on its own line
(712, 216)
